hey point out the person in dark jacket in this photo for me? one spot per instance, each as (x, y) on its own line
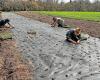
(74, 36)
(4, 22)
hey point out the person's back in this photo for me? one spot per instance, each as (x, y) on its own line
(2, 23)
(70, 34)
(60, 22)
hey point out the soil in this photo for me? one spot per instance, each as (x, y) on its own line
(51, 57)
(89, 27)
(12, 64)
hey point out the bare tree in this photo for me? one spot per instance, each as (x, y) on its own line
(2, 3)
(73, 5)
(70, 1)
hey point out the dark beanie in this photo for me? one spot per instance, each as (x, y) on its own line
(7, 20)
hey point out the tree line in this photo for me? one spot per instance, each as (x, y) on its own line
(49, 5)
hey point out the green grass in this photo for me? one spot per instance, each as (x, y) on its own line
(90, 16)
(5, 35)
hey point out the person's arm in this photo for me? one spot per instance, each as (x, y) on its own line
(54, 23)
(78, 38)
(68, 36)
(10, 25)
(72, 41)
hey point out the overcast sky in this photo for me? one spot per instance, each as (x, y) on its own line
(69, 0)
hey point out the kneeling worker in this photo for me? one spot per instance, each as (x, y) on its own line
(57, 21)
(4, 22)
(74, 36)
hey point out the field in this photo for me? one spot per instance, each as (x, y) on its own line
(48, 52)
(90, 16)
(89, 27)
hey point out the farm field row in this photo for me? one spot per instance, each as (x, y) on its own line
(90, 16)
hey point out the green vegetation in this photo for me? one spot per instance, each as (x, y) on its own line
(5, 35)
(90, 16)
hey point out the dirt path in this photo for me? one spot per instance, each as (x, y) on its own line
(88, 27)
(50, 56)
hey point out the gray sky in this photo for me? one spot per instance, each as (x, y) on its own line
(69, 0)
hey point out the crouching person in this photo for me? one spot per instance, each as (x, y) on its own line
(74, 36)
(4, 22)
(57, 21)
